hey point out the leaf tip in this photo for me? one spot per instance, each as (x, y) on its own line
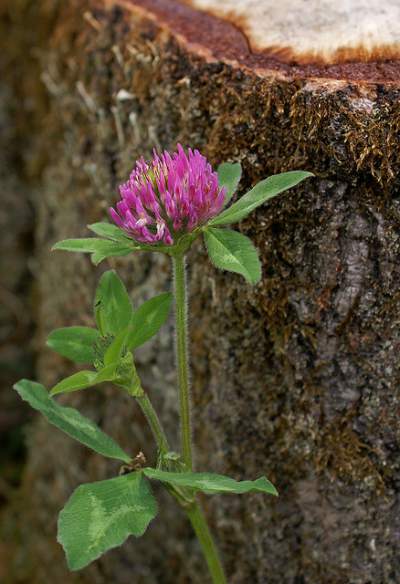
(255, 281)
(95, 260)
(18, 385)
(274, 491)
(269, 487)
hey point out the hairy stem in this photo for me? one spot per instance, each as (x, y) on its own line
(182, 358)
(194, 511)
(154, 423)
(208, 546)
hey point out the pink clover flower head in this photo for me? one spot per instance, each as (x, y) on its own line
(167, 197)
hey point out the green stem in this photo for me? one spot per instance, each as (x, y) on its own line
(154, 423)
(194, 511)
(204, 536)
(182, 357)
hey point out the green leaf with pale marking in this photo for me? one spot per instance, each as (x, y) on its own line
(70, 421)
(85, 379)
(229, 177)
(234, 252)
(148, 319)
(74, 342)
(113, 309)
(262, 192)
(100, 516)
(211, 483)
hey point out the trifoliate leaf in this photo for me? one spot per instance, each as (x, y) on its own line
(211, 483)
(145, 323)
(234, 252)
(102, 515)
(74, 342)
(262, 192)
(70, 420)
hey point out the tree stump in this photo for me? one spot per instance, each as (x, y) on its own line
(297, 378)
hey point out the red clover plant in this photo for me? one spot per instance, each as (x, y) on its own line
(165, 205)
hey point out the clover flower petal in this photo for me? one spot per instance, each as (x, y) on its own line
(171, 195)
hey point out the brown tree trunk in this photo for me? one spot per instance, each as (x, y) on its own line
(297, 378)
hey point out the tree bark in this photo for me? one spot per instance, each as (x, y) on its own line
(297, 378)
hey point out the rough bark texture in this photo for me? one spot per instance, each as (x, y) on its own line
(298, 377)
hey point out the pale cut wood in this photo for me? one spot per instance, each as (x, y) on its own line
(312, 29)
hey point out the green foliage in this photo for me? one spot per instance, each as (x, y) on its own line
(100, 516)
(117, 348)
(211, 483)
(144, 324)
(148, 319)
(232, 251)
(110, 249)
(84, 379)
(113, 309)
(229, 177)
(262, 192)
(75, 343)
(84, 245)
(121, 331)
(110, 231)
(69, 420)
(100, 249)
